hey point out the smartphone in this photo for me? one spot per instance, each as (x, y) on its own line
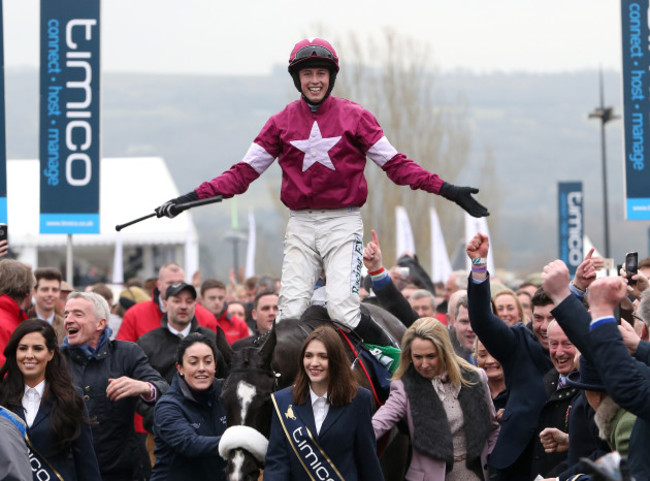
(631, 266)
(3, 232)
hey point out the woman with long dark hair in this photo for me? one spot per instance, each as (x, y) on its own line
(36, 385)
(189, 419)
(446, 403)
(321, 427)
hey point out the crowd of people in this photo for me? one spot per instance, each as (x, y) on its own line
(484, 389)
(493, 382)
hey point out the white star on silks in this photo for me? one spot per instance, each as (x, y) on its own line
(316, 148)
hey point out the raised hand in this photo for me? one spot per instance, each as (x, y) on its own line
(477, 250)
(478, 246)
(372, 257)
(555, 281)
(605, 294)
(639, 285)
(586, 271)
(630, 338)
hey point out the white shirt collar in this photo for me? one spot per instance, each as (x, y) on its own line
(184, 332)
(39, 388)
(32, 401)
(315, 397)
(49, 320)
(320, 407)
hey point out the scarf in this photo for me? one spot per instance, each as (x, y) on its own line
(88, 351)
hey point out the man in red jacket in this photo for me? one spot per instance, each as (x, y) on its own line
(15, 293)
(146, 316)
(213, 296)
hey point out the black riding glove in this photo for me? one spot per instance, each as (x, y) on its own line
(170, 208)
(463, 197)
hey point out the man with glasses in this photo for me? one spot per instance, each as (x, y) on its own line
(321, 143)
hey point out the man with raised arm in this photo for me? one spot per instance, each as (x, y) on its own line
(625, 379)
(525, 361)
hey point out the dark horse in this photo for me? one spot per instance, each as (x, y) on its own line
(256, 372)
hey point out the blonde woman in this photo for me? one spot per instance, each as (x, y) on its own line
(446, 403)
(508, 307)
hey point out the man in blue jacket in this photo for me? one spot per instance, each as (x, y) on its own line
(525, 360)
(626, 378)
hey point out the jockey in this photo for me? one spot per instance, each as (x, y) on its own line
(321, 143)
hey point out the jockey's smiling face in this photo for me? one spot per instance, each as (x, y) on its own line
(314, 83)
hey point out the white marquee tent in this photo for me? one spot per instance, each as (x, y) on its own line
(129, 188)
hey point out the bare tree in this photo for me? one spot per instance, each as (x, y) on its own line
(395, 78)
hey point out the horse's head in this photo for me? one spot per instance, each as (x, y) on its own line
(246, 397)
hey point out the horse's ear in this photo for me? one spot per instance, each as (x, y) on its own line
(224, 347)
(266, 351)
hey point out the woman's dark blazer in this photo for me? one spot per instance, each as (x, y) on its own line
(346, 436)
(76, 463)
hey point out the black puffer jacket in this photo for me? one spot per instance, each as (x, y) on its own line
(188, 428)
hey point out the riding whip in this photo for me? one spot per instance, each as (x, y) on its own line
(177, 208)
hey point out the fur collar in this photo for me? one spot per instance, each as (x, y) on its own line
(605, 417)
(432, 435)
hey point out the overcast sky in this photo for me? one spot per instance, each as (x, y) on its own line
(252, 36)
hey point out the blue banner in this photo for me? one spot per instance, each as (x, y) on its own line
(69, 116)
(570, 224)
(636, 107)
(3, 130)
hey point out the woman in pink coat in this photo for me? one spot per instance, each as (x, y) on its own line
(447, 405)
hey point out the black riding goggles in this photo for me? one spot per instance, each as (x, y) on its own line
(313, 51)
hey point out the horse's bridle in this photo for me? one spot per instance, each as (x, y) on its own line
(267, 372)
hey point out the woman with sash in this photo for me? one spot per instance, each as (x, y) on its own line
(189, 419)
(446, 403)
(321, 426)
(35, 384)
